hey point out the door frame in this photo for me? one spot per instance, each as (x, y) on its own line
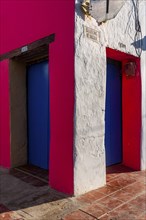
(20, 58)
(131, 109)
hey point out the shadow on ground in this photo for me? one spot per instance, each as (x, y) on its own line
(20, 190)
(30, 198)
(119, 168)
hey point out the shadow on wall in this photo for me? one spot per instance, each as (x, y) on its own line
(140, 44)
(79, 11)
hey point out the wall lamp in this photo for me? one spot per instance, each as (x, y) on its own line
(130, 68)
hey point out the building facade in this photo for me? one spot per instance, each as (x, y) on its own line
(93, 113)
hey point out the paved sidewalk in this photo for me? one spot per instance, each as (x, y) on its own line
(24, 197)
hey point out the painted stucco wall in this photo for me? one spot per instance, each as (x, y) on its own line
(22, 22)
(90, 90)
(143, 76)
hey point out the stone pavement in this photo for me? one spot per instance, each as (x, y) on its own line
(24, 197)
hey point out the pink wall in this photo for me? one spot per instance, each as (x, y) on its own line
(4, 115)
(22, 22)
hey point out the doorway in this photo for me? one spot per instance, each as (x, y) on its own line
(30, 128)
(131, 109)
(22, 153)
(113, 113)
(38, 114)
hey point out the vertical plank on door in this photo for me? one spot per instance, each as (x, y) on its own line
(38, 115)
(113, 113)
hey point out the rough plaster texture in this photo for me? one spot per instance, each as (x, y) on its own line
(90, 85)
(143, 76)
(18, 113)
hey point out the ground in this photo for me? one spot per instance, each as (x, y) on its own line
(23, 196)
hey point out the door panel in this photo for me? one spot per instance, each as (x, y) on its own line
(38, 115)
(113, 114)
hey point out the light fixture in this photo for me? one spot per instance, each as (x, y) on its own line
(130, 69)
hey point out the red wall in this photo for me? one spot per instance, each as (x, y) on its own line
(22, 22)
(131, 110)
(4, 115)
(131, 101)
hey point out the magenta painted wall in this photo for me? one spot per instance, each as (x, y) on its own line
(4, 115)
(25, 21)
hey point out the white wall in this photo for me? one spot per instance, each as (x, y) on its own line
(143, 75)
(90, 82)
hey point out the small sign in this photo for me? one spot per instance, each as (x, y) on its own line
(91, 33)
(24, 49)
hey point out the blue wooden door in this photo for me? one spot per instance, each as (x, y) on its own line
(113, 113)
(38, 115)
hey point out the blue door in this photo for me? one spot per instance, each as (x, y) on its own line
(38, 115)
(113, 113)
